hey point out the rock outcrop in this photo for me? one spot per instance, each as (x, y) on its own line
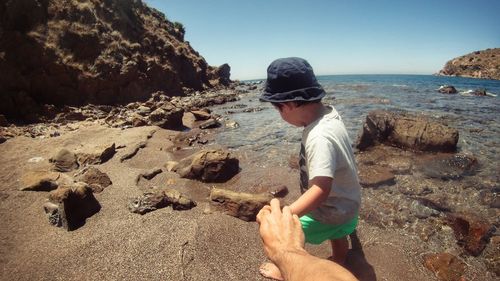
(406, 131)
(479, 64)
(99, 52)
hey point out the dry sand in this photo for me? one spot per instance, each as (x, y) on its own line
(199, 244)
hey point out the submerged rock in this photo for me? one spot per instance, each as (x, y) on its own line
(374, 176)
(151, 201)
(70, 206)
(208, 166)
(445, 266)
(471, 232)
(449, 167)
(406, 131)
(244, 206)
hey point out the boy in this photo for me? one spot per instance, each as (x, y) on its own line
(330, 200)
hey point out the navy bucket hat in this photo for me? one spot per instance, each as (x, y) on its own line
(291, 79)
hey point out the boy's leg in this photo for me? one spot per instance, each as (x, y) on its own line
(340, 247)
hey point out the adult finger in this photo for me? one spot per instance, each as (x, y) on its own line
(275, 206)
(263, 213)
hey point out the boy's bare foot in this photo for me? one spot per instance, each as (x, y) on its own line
(269, 270)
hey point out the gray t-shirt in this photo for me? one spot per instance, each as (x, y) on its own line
(326, 151)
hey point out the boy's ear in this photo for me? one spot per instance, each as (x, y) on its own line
(290, 105)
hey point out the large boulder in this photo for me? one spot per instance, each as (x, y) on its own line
(70, 206)
(167, 117)
(208, 166)
(406, 131)
(241, 205)
(447, 89)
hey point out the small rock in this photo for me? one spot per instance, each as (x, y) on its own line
(201, 115)
(133, 152)
(97, 155)
(232, 124)
(170, 165)
(36, 159)
(208, 166)
(96, 179)
(151, 201)
(210, 124)
(148, 175)
(446, 266)
(64, 161)
(244, 206)
(71, 205)
(39, 181)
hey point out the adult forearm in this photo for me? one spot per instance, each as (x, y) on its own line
(301, 266)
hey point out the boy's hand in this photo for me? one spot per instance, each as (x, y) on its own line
(280, 231)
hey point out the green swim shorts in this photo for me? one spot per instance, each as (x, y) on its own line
(317, 232)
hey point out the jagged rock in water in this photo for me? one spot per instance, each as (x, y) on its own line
(70, 206)
(208, 166)
(151, 201)
(64, 161)
(445, 266)
(96, 179)
(471, 232)
(406, 131)
(244, 206)
(447, 89)
(210, 124)
(39, 181)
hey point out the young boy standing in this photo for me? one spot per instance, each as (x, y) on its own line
(330, 200)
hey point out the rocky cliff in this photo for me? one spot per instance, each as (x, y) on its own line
(479, 64)
(72, 52)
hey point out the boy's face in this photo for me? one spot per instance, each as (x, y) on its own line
(288, 112)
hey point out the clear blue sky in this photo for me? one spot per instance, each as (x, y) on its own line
(336, 37)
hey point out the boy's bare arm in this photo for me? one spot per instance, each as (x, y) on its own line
(311, 199)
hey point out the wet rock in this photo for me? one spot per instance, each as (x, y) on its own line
(151, 201)
(374, 176)
(244, 206)
(231, 124)
(133, 151)
(148, 175)
(449, 167)
(437, 202)
(479, 92)
(421, 211)
(208, 166)
(210, 124)
(447, 89)
(471, 232)
(490, 198)
(39, 181)
(279, 191)
(406, 131)
(70, 206)
(64, 161)
(97, 155)
(445, 266)
(167, 117)
(96, 179)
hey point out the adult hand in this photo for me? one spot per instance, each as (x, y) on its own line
(281, 232)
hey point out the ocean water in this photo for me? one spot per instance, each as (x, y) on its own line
(270, 141)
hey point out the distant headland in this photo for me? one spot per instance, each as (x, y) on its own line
(478, 64)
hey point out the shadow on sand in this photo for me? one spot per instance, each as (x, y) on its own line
(356, 261)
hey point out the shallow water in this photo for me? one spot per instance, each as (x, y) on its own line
(272, 141)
